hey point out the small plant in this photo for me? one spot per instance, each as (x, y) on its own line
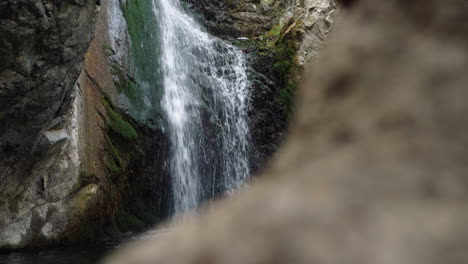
(272, 36)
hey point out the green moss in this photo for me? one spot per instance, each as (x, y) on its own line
(287, 98)
(280, 42)
(86, 214)
(123, 160)
(111, 166)
(114, 162)
(131, 90)
(118, 124)
(145, 91)
(108, 51)
(271, 37)
(285, 58)
(285, 67)
(82, 200)
(109, 209)
(7, 248)
(116, 158)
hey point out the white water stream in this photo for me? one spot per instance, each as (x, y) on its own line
(205, 101)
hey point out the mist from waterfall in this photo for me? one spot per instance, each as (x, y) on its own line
(205, 102)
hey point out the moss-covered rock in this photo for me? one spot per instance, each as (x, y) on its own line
(129, 164)
(144, 90)
(42, 44)
(84, 212)
(277, 50)
(117, 123)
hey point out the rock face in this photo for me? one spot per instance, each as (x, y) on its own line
(41, 46)
(280, 37)
(298, 32)
(77, 155)
(120, 152)
(375, 167)
(75, 162)
(237, 18)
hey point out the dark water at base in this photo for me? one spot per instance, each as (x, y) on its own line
(82, 254)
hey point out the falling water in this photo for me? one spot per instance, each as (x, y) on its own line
(205, 101)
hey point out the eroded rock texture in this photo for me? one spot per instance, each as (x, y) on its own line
(279, 37)
(41, 46)
(375, 168)
(237, 18)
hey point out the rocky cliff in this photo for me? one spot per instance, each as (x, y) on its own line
(82, 144)
(280, 37)
(73, 158)
(41, 46)
(123, 151)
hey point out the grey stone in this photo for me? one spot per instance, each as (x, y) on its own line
(42, 44)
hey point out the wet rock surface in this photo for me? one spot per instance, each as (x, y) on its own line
(277, 50)
(41, 46)
(237, 18)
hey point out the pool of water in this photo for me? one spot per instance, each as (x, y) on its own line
(90, 254)
(83, 254)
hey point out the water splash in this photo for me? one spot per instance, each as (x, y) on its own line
(205, 101)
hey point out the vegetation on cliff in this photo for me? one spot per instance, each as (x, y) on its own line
(282, 42)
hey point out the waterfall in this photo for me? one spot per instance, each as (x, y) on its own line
(205, 102)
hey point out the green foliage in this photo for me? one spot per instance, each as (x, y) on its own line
(272, 36)
(285, 59)
(285, 68)
(117, 124)
(106, 206)
(287, 98)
